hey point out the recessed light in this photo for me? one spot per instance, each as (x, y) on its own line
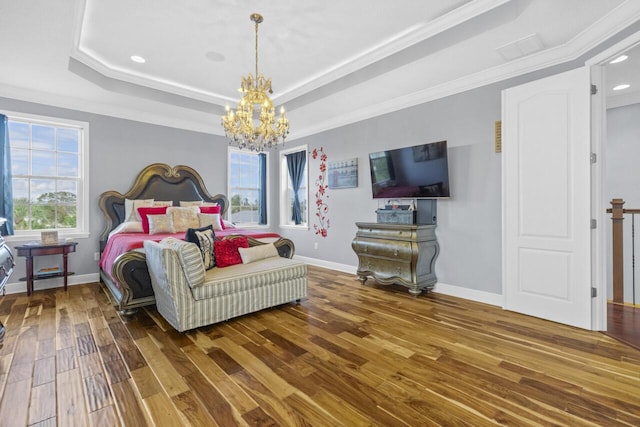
(619, 59)
(621, 87)
(138, 59)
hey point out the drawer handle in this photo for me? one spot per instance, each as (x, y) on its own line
(395, 252)
(369, 265)
(399, 270)
(366, 248)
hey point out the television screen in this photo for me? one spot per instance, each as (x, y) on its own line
(421, 171)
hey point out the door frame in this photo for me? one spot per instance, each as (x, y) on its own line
(599, 206)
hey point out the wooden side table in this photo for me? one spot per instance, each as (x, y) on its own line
(30, 250)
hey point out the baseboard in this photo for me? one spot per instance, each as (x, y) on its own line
(54, 282)
(345, 268)
(470, 294)
(442, 288)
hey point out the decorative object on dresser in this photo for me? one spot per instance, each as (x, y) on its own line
(403, 254)
(6, 268)
(123, 266)
(421, 212)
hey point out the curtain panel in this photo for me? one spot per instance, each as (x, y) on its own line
(6, 207)
(262, 205)
(295, 164)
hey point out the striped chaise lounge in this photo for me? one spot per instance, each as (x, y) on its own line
(188, 296)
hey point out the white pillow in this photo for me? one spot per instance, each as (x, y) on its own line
(228, 224)
(210, 219)
(161, 203)
(131, 208)
(186, 204)
(160, 224)
(256, 253)
(184, 217)
(127, 227)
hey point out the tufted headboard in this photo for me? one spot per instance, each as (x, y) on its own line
(160, 182)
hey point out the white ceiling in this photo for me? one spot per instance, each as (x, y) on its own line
(332, 63)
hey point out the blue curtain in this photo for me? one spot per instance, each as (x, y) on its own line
(262, 205)
(296, 163)
(6, 207)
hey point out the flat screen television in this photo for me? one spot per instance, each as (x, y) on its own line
(420, 171)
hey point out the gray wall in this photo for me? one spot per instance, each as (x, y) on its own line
(621, 181)
(469, 223)
(119, 149)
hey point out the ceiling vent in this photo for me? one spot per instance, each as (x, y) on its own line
(522, 47)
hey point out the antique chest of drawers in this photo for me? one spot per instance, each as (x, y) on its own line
(404, 254)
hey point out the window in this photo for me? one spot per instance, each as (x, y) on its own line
(287, 193)
(247, 187)
(48, 162)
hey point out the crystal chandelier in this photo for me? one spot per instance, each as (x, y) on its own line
(253, 124)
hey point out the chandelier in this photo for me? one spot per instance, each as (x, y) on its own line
(253, 124)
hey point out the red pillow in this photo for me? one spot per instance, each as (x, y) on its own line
(159, 210)
(227, 252)
(213, 210)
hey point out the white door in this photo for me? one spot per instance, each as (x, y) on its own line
(546, 198)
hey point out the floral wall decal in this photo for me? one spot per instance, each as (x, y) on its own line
(322, 208)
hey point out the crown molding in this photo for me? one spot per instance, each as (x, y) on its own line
(118, 111)
(389, 47)
(624, 15)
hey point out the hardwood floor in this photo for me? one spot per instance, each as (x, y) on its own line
(623, 323)
(348, 355)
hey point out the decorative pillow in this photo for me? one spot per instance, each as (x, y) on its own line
(186, 204)
(127, 227)
(157, 203)
(209, 204)
(256, 253)
(131, 208)
(210, 219)
(203, 238)
(213, 210)
(160, 224)
(206, 239)
(184, 217)
(227, 250)
(227, 224)
(145, 212)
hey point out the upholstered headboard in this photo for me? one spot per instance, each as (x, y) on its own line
(160, 182)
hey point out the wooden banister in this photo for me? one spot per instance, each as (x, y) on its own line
(617, 216)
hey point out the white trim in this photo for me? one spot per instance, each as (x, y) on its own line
(83, 217)
(54, 282)
(469, 294)
(599, 205)
(283, 173)
(441, 288)
(232, 149)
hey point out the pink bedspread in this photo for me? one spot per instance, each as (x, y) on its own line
(125, 242)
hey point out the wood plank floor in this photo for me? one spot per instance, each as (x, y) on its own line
(348, 355)
(623, 323)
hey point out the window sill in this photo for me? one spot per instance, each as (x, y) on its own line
(295, 227)
(19, 238)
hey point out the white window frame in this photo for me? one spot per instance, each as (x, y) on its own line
(82, 204)
(230, 150)
(285, 210)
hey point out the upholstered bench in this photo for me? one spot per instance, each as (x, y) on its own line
(188, 296)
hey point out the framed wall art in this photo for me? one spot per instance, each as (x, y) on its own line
(343, 173)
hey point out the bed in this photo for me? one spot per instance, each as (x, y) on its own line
(123, 267)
